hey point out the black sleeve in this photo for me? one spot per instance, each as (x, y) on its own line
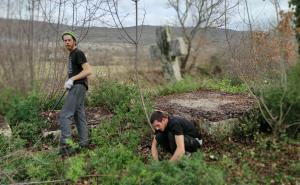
(81, 59)
(177, 129)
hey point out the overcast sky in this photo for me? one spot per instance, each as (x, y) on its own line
(158, 12)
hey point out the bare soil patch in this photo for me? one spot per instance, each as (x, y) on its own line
(209, 105)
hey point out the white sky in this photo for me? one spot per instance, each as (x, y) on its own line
(158, 12)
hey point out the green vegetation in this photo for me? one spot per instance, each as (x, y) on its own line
(189, 84)
(118, 158)
(283, 101)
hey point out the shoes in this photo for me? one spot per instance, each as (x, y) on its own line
(66, 150)
(199, 141)
(188, 154)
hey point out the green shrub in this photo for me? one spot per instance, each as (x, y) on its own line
(24, 109)
(113, 133)
(113, 162)
(29, 131)
(23, 113)
(187, 84)
(27, 166)
(186, 171)
(44, 166)
(49, 103)
(249, 125)
(117, 162)
(10, 144)
(75, 168)
(295, 169)
(14, 168)
(225, 85)
(284, 98)
(121, 99)
(113, 95)
(7, 98)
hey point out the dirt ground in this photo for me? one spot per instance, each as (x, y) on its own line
(94, 116)
(204, 104)
(209, 105)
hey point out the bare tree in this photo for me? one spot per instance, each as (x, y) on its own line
(134, 40)
(194, 15)
(262, 59)
(36, 46)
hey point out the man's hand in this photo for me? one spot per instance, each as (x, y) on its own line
(180, 150)
(154, 149)
(69, 83)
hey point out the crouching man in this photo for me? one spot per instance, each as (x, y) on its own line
(174, 134)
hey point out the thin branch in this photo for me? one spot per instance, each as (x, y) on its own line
(9, 178)
(41, 182)
(135, 42)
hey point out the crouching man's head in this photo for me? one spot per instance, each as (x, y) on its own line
(159, 120)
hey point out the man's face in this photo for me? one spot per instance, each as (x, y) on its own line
(160, 125)
(69, 42)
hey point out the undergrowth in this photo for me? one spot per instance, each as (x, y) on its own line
(189, 84)
(116, 158)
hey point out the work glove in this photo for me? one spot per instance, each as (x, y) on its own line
(69, 83)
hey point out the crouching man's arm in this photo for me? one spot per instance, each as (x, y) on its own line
(154, 149)
(179, 139)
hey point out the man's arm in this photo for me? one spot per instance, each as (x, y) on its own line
(179, 139)
(154, 149)
(86, 71)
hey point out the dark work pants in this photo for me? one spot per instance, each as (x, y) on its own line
(167, 142)
(74, 108)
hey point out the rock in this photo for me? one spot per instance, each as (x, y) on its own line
(215, 113)
(220, 129)
(4, 128)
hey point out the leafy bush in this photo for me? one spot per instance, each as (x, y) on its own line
(189, 84)
(29, 166)
(75, 168)
(7, 98)
(295, 169)
(112, 162)
(225, 85)
(113, 95)
(24, 109)
(44, 166)
(120, 163)
(123, 100)
(23, 113)
(24, 118)
(283, 102)
(10, 144)
(29, 131)
(186, 171)
(249, 125)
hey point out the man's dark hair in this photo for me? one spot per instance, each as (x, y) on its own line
(158, 116)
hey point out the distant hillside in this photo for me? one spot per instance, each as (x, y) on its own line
(105, 35)
(113, 35)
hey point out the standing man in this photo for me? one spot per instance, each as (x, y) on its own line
(174, 134)
(77, 85)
